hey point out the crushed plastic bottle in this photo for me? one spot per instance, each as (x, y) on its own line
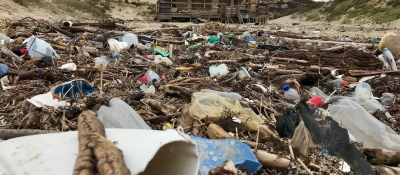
(387, 99)
(102, 60)
(160, 59)
(152, 76)
(372, 105)
(290, 93)
(390, 59)
(198, 45)
(363, 92)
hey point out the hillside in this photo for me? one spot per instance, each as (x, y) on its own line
(76, 9)
(352, 11)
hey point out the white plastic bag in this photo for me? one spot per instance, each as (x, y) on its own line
(363, 126)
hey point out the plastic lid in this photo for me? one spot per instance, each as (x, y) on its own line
(316, 101)
(154, 80)
(143, 79)
(286, 87)
(344, 83)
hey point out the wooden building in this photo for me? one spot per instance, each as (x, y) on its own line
(231, 11)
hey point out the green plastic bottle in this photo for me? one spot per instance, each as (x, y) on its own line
(198, 45)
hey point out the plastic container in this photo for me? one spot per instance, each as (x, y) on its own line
(102, 60)
(338, 83)
(314, 91)
(290, 93)
(152, 76)
(363, 92)
(363, 126)
(387, 99)
(390, 59)
(131, 39)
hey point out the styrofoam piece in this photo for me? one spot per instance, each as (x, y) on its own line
(152, 152)
(212, 153)
(46, 100)
(120, 115)
(38, 48)
(68, 67)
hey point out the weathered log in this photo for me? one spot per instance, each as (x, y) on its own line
(382, 156)
(10, 54)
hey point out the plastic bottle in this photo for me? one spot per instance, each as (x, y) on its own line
(363, 92)
(387, 99)
(159, 59)
(372, 105)
(389, 57)
(144, 47)
(198, 45)
(290, 93)
(152, 76)
(102, 60)
(314, 91)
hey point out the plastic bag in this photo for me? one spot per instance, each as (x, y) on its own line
(363, 126)
(212, 106)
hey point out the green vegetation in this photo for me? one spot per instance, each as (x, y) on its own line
(377, 12)
(97, 8)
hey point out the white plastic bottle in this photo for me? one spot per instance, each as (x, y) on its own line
(152, 76)
(390, 59)
(363, 92)
(290, 93)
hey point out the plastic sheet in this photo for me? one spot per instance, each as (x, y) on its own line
(212, 106)
(146, 152)
(363, 126)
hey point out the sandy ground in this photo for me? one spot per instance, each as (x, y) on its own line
(335, 29)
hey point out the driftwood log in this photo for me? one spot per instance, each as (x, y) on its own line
(97, 155)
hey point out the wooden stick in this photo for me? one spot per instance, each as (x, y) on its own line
(374, 73)
(13, 133)
(291, 151)
(304, 166)
(330, 42)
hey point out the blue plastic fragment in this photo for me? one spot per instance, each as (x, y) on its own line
(3, 70)
(73, 89)
(212, 153)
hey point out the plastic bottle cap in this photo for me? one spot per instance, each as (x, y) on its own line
(154, 80)
(344, 83)
(316, 101)
(143, 79)
(286, 87)
(385, 49)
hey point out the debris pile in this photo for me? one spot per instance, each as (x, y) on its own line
(231, 99)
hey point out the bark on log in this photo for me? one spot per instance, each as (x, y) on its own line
(97, 155)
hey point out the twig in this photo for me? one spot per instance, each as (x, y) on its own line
(304, 166)
(291, 151)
